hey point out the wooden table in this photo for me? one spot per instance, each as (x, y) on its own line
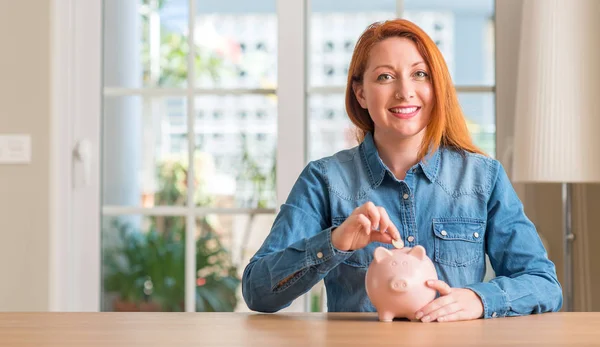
(289, 329)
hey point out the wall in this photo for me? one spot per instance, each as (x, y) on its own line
(25, 105)
(543, 202)
(24, 109)
(587, 260)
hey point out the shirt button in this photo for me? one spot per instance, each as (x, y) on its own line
(494, 315)
(444, 232)
(320, 255)
(411, 238)
(405, 196)
(476, 235)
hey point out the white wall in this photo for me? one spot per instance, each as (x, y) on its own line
(24, 189)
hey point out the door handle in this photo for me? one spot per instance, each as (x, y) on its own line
(82, 152)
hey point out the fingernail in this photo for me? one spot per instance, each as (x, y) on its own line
(376, 227)
(430, 282)
(441, 319)
(426, 319)
(419, 315)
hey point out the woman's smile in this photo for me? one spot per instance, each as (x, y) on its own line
(404, 112)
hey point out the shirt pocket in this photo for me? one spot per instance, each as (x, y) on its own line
(458, 241)
(361, 258)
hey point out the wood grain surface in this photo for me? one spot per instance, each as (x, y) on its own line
(290, 329)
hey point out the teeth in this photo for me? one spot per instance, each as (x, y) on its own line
(404, 110)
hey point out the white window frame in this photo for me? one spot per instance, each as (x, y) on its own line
(77, 94)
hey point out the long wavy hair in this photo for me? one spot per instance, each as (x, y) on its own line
(447, 126)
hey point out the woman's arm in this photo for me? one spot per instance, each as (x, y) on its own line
(298, 252)
(526, 279)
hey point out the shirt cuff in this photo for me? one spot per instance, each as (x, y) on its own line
(322, 254)
(495, 300)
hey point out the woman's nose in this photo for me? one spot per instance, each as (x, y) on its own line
(404, 96)
(405, 91)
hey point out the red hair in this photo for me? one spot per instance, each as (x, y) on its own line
(447, 126)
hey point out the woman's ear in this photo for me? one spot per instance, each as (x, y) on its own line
(358, 89)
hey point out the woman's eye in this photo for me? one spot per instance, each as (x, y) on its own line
(421, 74)
(384, 77)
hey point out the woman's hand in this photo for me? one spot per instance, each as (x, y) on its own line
(454, 304)
(367, 223)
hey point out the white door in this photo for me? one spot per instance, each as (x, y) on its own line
(75, 155)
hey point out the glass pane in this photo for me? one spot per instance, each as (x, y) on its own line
(145, 43)
(335, 25)
(464, 32)
(225, 246)
(330, 129)
(143, 261)
(236, 141)
(144, 151)
(237, 44)
(480, 112)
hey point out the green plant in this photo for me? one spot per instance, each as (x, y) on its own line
(263, 183)
(217, 280)
(148, 267)
(145, 266)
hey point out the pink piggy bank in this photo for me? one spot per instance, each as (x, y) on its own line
(395, 282)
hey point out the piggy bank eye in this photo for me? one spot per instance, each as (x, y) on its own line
(405, 263)
(394, 263)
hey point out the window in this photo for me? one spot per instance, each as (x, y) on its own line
(153, 106)
(217, 115)
(463, 31)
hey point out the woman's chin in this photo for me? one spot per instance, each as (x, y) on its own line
(400, 132)
(409, 133)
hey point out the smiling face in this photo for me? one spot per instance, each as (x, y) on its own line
(396, 89)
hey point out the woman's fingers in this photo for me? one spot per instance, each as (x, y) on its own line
(440, 286)
(364, 223)
(380, 221)
(384, 220)
(381, 237)
(387, 225)
(372, 212)
(372, 217)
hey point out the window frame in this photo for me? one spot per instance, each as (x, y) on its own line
(77, 94)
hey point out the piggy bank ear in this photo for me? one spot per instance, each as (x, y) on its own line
(418, 252)
(381, 253)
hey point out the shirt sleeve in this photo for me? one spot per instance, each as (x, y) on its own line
(298, 252)
(526, 280)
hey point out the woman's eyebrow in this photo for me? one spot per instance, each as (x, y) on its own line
(392, 68)
(385, 65)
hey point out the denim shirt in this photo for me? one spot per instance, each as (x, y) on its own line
(459, 206)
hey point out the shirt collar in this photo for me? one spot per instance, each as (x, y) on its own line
(377, 169)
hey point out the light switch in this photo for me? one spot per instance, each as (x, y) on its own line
(15, 149)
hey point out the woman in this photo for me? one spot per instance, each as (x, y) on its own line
(416, 177)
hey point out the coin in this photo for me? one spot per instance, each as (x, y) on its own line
(398, 243)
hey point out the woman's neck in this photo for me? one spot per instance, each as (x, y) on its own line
(399, 155)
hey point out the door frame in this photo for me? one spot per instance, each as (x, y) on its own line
(75, 92)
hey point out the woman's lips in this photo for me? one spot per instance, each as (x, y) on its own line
(405, 112)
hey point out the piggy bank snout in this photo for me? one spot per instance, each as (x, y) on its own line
(399, 285)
